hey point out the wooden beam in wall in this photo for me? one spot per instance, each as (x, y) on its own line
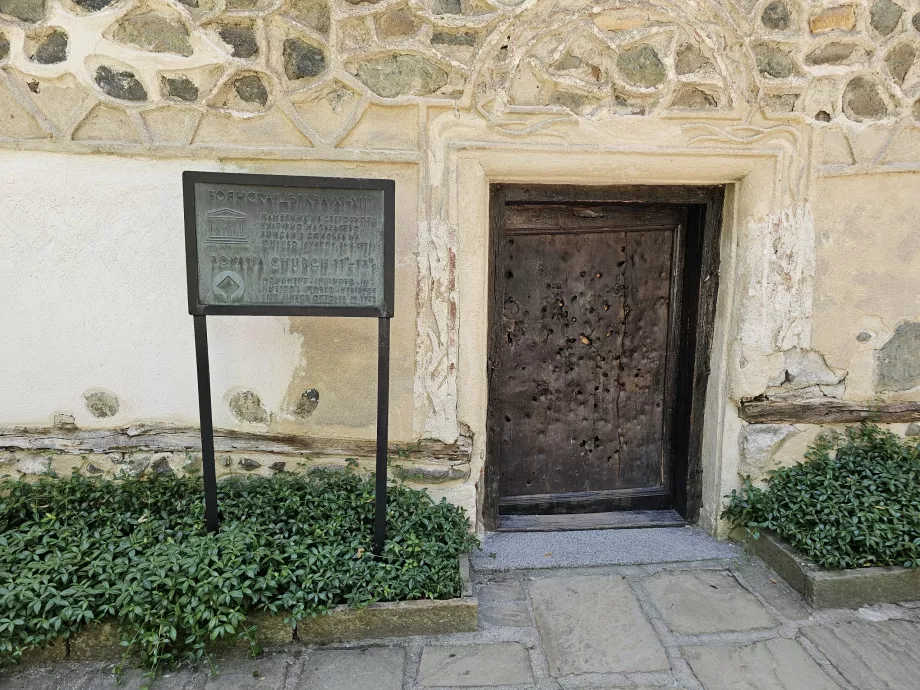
(827, 411)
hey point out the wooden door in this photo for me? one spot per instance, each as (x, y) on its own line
(585, 340)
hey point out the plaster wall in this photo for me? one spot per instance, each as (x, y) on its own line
(807, 113)
(93, 261)
(867, 281)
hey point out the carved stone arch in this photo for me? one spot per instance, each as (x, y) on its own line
(583, 59)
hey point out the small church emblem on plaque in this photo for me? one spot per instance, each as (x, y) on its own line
(225, 226)
(228, 285)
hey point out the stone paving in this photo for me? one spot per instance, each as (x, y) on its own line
(707, 625)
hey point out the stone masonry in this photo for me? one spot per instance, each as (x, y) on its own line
(847, 63)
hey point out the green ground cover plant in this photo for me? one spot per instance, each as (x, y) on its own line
(78, 550)
(854, 502)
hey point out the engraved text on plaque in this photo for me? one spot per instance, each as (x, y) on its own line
(279, 246)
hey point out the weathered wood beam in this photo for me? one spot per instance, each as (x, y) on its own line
(161, 438)
(827, 411)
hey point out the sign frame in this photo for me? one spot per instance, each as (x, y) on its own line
(190, 178)
(200, 312)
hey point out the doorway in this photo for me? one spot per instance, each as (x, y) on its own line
(595, 364)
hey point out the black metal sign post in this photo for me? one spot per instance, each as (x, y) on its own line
(280, 245)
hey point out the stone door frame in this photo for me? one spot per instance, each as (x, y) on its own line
(758, 196)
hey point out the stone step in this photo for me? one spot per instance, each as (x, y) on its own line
(623, 519)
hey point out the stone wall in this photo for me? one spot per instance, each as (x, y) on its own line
(154, 73)
(808, 112)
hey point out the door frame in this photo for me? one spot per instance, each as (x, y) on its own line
(704, 221)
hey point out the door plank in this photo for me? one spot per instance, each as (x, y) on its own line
(644, 356)
(584, 217)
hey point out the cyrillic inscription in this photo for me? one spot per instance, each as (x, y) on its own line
(292, 246)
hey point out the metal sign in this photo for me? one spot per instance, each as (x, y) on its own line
(280, 245)
(277, 244)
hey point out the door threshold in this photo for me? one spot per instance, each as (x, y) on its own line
(623, 519)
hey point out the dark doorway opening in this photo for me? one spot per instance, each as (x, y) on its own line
(601, 310)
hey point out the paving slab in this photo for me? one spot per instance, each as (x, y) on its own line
(136, 678)
(498, 592)
(518, 550)
(507, 614)
(251, 674)
(373, 668)
(594, 624)
(693, 602)
(872, 656)
(40, 678)
(476, 665)
(772, 588)
(94, 676)
(777, 664)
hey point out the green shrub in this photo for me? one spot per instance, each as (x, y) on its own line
(78, 550)
(854, 502)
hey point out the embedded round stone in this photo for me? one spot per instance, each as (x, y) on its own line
(453, 39)
(884, 16)
(689, 59)
(93, 5)
(440, 6)
(29, 11)
(782, 103)
(302, 60)
(642, 66)
(251, 89)
(915, 21)
(52, 48)
(401, 75)
(121, 84)
(101, 404)
(179, 87)
(397, 23)
(240, 38)
(773, 62)
(692, 98)
(247, 405)
(249, 464)
(155, 33)
(915, 111)
(568, 62)
(776, 16)
(308, 403)
(862, 101)
(900, 60)
(839, 18)
(898, 360)
(313, 13)
(4, 46)
(830, 54)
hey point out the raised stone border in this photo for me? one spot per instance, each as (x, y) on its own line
(836, 588)
(101, 642)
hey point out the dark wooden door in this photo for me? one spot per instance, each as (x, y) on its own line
(585, 339)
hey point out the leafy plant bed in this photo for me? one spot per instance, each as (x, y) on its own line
(134, 555)
(843, 523)
(836, 589)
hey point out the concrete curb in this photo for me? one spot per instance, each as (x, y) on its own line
(847, 589)
(397, 618)
(101, 642)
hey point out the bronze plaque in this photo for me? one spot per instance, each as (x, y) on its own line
(288, 245)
